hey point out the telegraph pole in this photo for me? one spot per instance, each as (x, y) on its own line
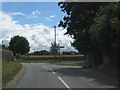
(55, 41)
(55, 33)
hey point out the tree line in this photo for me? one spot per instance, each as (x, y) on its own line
(45, 52)
(19, 45)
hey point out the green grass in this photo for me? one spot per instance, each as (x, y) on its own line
(49, 61)
(9, 70)
(64, 64)
(34, 61)
(67, 63)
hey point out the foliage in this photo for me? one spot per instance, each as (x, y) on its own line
(19, 44)
(5, 47)
(105, 31)
(9, 70)
(54, 49)
(70, 53)
(42, 52)
(18, 55)
(78, 21)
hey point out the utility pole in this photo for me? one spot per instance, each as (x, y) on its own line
(2, 42)
(55, 41)
(55, 33)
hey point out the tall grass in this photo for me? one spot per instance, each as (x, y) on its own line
(9, 70)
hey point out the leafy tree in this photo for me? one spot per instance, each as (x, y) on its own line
(42, 52)
(5, 47)
(67, 53)
(78, 20)
(19, 44)
(70, 53)
(54, 49)
(95, 28)
(105, 31)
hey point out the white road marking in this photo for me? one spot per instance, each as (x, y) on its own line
(64, 83)
(45, 67)
(52, 71)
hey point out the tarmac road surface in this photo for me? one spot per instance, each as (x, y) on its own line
(43, 75)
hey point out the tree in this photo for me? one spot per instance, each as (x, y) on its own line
(19, 44)
(94, 28)
(105, 31)
(54, 49)
(78, 20)
(42, 52)
(5, 47)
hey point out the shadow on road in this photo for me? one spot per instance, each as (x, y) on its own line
(86, 73)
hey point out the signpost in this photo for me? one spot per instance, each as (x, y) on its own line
(56, 44)
(59, 52)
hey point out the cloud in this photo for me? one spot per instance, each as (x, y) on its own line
(34, 14)
(17, 13)
(49, 18)
(39, 36)
(52, 16)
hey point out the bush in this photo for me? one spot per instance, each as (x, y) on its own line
(18, 55)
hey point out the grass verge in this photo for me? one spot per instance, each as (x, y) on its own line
(69, 63)
(9, 70)
(34, 61)
(65, 64)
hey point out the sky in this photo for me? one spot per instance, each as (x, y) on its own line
(34, 21)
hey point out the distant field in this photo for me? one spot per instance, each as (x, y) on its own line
(53, 55)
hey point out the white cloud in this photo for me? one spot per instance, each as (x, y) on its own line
(52, 16)
(38, 35)
(35, 12)
(49, 18)
(17, 13)
(31, 16)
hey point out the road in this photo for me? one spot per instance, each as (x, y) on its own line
(43, 75)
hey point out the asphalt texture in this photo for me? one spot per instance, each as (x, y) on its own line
(42, 75)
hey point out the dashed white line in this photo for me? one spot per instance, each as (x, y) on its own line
(45, 67)
(59, 78)
(64, 83)
(52, 71)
